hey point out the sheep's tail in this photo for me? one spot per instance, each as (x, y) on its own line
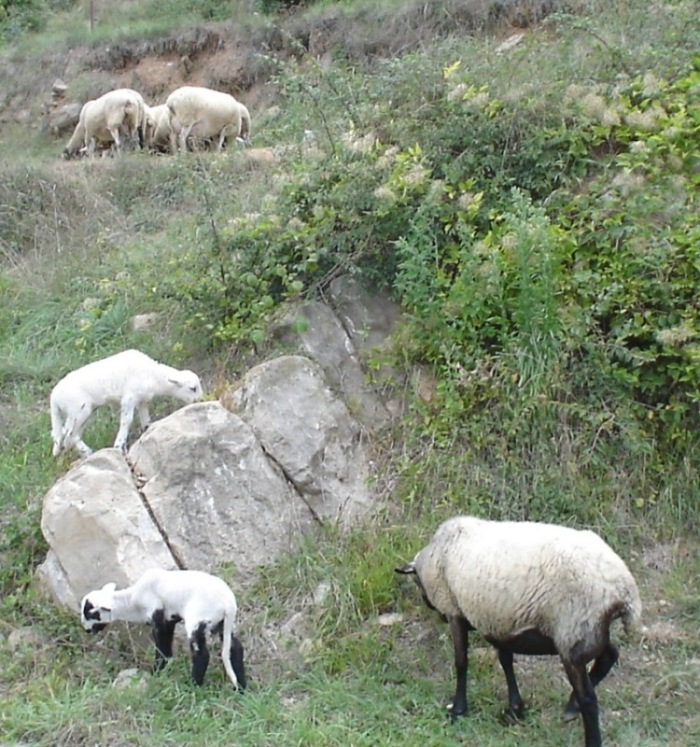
(244, 132)
(632, 612)
(226, 649)
(628, 606)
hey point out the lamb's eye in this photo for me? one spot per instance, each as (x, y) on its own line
(193, 389)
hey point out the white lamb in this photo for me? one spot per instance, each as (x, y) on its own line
(204, 603)
(130, 378)
(158, 127)
(202, 113)
(102, 119)
(529, 588)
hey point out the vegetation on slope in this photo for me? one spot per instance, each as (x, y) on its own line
(536, 213)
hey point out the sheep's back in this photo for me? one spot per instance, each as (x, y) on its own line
(193, 595)
(105, 380)
(214, 109)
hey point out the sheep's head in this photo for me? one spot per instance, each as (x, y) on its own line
(186, 386)
(410, 570)
(96, 608)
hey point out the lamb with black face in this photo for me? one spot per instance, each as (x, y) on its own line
(92, 619)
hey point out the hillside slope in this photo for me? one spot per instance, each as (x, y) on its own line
(533, 207)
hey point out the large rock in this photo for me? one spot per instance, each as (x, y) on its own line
(98, 530)
(63, 119)
(214, 493)
(208, 486)
(309, 432)
(314, 330)
(369, 317)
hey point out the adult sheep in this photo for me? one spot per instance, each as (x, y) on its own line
(102, 120)
(130, 378)
(204, 603)
(204, 114)
(529, 588)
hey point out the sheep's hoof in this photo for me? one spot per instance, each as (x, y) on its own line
(455, 713)
(571, 710)
(513, 715)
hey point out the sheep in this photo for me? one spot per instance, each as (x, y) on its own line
(101, 120)
(203, 113)
(130, 378)
(529, 588)
(157, 133)
(204, 603)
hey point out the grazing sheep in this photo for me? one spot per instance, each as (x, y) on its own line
(529, 588)
(157, 133)
(102, 119)
(204, 114)
(204, 603)
(130, 378)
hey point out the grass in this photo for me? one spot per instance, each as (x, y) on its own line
(395, 691)
(84, 246)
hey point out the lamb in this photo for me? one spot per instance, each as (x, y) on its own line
(102, 119)
(530, 588)
(205, 603)
(131, 378)
(157, 134)
(203, 113)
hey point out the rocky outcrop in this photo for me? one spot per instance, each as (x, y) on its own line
(309, 432)
(215, 494)
(206, 487)
(98, 530)
(237, 483)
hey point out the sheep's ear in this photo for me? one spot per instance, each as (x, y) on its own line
(111, 586)
(179, 382)
(407, 569)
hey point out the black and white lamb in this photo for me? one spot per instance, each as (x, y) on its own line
(204, 603)
(130, 378)
(529, 588)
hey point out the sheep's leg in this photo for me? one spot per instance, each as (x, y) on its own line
(144, 416)
(125, 421)
(515, 708)
(114, 132)
(587, 701)
(184, 134)
(200, 653)
(459, 628)
(57, 429)
(163, 633)
(602, 665)
(223, 135)
(73, 430)
(236, 658)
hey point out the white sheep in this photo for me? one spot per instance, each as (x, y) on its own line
(102, 119)
(204, 114)
(204, 603)
(131, 378)
(529, 588)
(157, 134)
